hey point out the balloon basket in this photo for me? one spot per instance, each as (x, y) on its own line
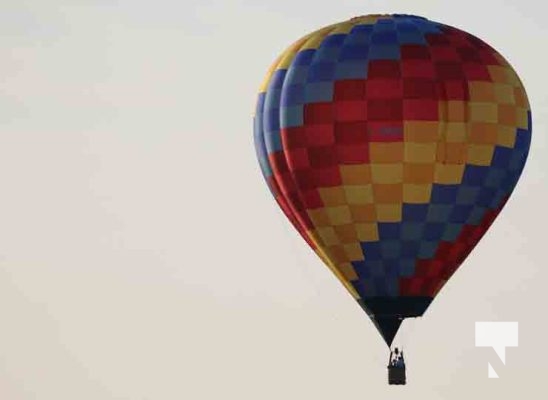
(396, 375)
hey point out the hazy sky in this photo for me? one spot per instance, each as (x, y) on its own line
(141, 255)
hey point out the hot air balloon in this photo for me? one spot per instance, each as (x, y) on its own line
(391, 143)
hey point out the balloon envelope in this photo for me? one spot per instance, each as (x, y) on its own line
(392, 142)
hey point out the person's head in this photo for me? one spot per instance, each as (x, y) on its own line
(396, 350)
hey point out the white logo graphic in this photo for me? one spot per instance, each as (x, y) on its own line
(499, 336)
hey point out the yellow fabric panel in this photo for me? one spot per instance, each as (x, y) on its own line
(512, 77)
(389, 212)
(339, 215)
(481, 91)
(416, 193)
(363, 213)
(451, 153)
(385, 152)
(347, 270)
(387, 173)
(328, 236)
(504, 93)
(507, 115)
(342, 28)
(480, 154)
(266, 79)
(355, 174)
(314, 40)
(418, 173)
(521, 97)
(420, 152)
(332, 196)
(338, 255)
(483, 133)
(346, 233)
(319, 217)
(388, 193)
(368, 19)
(506, 136)
(499, 74)
(456, 132)
(289, 55)
(420, 131)
(353, 251)
(448, 174)
(367, 232)
(455, 111)
(483, 112)
(359, 194)
(521, 118)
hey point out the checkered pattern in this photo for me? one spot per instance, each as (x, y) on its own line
(391, 143)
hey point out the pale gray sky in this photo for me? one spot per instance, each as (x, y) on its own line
(141, 256)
